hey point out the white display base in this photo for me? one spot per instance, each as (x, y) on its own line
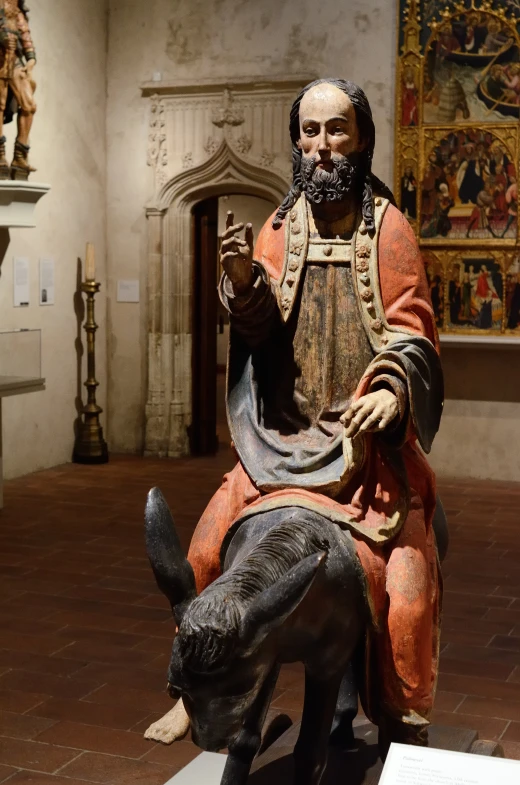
(206, 769)
(17, 203)
(14, 385)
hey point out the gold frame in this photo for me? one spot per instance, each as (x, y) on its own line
(508, 134)
(447, 258)
(413, 143)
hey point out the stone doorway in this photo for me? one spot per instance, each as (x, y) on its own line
(206, 141)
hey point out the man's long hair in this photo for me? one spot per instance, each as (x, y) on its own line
(367, 132)
(23, 8)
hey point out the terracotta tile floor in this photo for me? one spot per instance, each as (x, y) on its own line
(85, 636)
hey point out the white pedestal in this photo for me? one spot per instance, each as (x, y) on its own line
(207, 769)
(14, 385)
(17, 203)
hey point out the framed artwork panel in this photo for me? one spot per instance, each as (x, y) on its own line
(475, 292)
(457, 155)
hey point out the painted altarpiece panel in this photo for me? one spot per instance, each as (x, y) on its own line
(457, 153)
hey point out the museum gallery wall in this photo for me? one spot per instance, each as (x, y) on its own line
(68, 152)
(90, 150)
(456, 156)
(272, 39)
(458, 106)
(179, 43)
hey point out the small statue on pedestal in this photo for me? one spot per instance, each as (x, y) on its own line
(320, 545)
(17, 85)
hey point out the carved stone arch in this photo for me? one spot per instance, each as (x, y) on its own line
(224, 170)
(170, 261)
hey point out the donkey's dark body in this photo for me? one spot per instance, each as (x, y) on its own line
(292, 590)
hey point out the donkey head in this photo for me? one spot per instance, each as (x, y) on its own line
(223, 654)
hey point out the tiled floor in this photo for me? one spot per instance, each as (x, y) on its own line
(85, 636)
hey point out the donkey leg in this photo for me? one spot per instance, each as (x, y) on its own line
(342, 734)
(310, 752)
(245, 745)
(240, 758)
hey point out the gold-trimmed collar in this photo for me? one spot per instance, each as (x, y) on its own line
(296, 248)
(363, 252)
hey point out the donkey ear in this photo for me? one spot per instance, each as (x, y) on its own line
(172, 570)
(271, 608)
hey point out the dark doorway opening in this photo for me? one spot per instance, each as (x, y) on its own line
(210, 323)
(203, 430)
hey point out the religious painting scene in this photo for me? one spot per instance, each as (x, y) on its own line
(475, 294)
(513, 296)
(469, 190)
(409, 190)
(472, 69)
(436, 282)
(410, 98)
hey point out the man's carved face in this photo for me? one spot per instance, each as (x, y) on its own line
(330, 144)
(328, 125)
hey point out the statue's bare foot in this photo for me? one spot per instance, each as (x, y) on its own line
(172, 727)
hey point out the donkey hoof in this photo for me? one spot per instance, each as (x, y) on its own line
(343, 737)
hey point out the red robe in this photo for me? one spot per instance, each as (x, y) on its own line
(483, 289)
(400, 564)
(409, 104)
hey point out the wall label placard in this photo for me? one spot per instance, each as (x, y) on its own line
(20, 281)
(128, 291)
(47, 280)
(406, 765)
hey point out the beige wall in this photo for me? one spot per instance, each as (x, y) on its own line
(181, 39)
(480, 429)
(191, 39)
(68, 149)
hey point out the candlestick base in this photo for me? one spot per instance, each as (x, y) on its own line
(90, 446)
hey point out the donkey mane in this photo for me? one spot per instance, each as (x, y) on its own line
(209, 632)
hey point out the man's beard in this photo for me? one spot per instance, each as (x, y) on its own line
(319, 185)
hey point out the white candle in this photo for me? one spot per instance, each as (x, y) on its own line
(90, 263)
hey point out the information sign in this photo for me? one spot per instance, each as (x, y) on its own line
(406, 765)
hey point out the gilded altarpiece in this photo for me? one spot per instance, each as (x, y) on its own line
(457, 151)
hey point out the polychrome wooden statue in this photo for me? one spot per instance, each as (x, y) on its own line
(17, 85)
(319, 546)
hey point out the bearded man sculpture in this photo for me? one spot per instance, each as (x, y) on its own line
(17, 85)
(334, 381)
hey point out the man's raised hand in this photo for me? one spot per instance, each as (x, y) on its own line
(236, 255)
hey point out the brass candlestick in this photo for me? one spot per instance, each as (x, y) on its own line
(90, 447)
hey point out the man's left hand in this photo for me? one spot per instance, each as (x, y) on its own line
(372, 412)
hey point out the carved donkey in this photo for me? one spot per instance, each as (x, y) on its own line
(291, 591)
